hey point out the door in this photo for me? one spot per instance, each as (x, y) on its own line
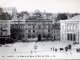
(39, 37)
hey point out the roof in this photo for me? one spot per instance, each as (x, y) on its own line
(55, 27)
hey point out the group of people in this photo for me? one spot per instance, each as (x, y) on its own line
(68, 47)
(78, 50)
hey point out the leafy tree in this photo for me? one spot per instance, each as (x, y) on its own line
(37, 14)
(5, 16)
(61, 16)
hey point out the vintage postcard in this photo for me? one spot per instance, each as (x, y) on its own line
(39, 29)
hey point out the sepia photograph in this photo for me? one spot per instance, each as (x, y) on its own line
(39, 29)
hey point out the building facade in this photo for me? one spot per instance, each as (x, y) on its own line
(70, 29)
(9, 10)
(4, 30)
(36, 28)
(56, 32)
(18, 29)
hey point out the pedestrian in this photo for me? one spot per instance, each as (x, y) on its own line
(15, 49)
(77, 50)
(51, 49)
(66, 48)
(70, 52)
(31, 51)
(56, 50)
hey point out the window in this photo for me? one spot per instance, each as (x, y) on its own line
(1, 33)
(33, 27)
(54, 36)
(39, 26)
(48, 30)
(33, 30)
(44, 26)
(29, 30)
(29, 36)
(57, 31)
(29, 26)
(54, 31)
(33, 36)
(48, 26)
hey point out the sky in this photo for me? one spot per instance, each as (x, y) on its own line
(52, 6)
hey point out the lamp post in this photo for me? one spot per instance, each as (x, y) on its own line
(78, 31)
(35, 47)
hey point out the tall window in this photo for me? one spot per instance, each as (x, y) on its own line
(1, 33)
(33, 27)
(39, 26)
(29, 30)
(29, 26)
(33, 30)
(48, 30)
(48, 26)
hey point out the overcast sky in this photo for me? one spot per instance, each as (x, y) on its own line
(53, 6)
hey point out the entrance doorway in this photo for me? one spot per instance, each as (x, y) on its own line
(71, 37)
(39, 37)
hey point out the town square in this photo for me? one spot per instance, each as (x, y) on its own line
(33, 30)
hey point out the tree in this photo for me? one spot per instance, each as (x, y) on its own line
(37, 14)
(5, 16)
(61, 16)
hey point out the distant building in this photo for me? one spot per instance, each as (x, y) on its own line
(10, 10)
(35, 28)
(70, 29)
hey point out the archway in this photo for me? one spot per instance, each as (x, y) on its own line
(39, 37)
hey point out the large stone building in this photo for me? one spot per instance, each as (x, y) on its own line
(36, 28)
(70, 29)
(33, 27)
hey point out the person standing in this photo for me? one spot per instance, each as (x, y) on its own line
(15, 49)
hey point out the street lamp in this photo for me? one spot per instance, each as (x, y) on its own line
(78, 31)
(35, 47)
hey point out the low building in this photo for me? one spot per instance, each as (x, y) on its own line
(70, 29)
(4, 30)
